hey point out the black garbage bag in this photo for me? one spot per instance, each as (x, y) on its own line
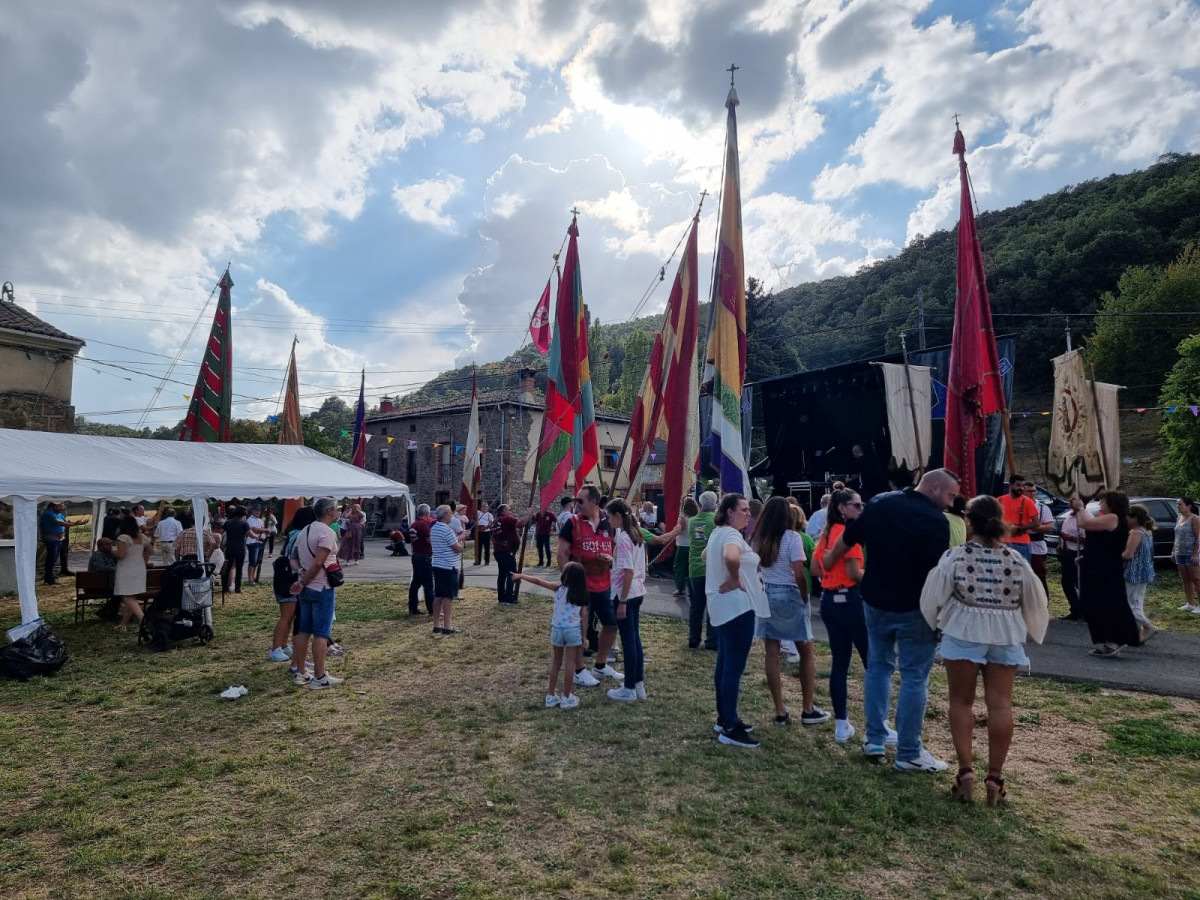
(41, 653)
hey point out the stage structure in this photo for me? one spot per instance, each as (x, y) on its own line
(813, 420)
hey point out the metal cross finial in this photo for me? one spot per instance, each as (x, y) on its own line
(955, 117)
(733, 67)
(574, 211)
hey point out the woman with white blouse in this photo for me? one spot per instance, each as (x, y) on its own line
(735, 595)
(985, 599)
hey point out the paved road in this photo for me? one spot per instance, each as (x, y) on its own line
(1169, 665)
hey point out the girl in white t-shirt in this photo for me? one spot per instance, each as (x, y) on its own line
(628, 591)
(566, 627)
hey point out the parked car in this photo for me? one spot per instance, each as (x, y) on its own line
(1162, 511)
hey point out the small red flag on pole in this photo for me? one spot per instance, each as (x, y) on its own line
(539, 323)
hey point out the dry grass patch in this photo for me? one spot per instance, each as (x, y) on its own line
(434, 772)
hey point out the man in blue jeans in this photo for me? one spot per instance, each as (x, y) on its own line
(905, 533)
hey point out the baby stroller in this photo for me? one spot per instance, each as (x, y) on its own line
(182, 608)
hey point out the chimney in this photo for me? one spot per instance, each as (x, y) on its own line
(385, 405)
(527, 385)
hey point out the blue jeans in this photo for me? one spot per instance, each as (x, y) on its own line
(422, 578)
(1024, 549)
(734, 639)
(52, 550)
(908, 634)
(842, 613)
(254, 554)
(698, 615)
(630, 629)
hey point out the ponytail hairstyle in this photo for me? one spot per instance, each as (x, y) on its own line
(1142, 516)
(833, 512)
(574, 578)
(774, 522)
(629, 524)
(986, 519)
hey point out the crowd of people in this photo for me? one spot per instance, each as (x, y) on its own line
(909, 577)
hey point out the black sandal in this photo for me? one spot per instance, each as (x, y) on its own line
(964, 786)
(996, 793)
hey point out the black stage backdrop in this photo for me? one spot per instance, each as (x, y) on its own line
(812, 419)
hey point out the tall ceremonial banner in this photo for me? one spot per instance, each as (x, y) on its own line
(974, 390)
(358, 456)
(472, 470)
(725, 362)
(211, 404)
(290, 429)
(667, 406)
(1079, 458)
(568, 440)
(907, 393)
(539, 322)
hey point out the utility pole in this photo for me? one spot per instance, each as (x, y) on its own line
(920, 318)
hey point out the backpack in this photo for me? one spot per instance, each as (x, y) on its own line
(284, 576)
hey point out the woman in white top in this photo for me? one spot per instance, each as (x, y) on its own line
(734, 596)
(628, 591)
(781, 556)
(132, 550)
(985, 599)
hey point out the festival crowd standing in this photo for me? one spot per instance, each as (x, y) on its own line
(422, 561)
(316, 549)
(1186, 551)
(683, 542)
(700, 526)
(985, 599)
(1070, 546)
(53, 526)
(447, 554)
(735, 598)
(132, 550)
(544, 525)
(1102, 574)
(237, 531)
(484, 523)
(254, 544)
(1021, 516)
(285, 600)
(904, 533)
(566, 629)
(505, 535)
(167, 531)
(587, 539)
(1037, 535)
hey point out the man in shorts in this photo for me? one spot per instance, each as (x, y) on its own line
(316, 546)
(587, 539)
(447, 553)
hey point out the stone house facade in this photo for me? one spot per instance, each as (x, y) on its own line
(423, 446)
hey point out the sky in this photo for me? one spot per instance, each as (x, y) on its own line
(389, 179)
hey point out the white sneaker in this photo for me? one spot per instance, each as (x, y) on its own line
(789, 647)
(892, 738)
(301, 679)
(288, 651)
(925, 762)
(640, 689)
(793, 657)
(320, 684)
(606, 672)
(623, 694)
(1187, 607)
(568, 702)
(551, 701)
(584, 678)
(1196, 610)
(277, 655)
(843, 731)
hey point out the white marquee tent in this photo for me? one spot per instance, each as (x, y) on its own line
(37, 466)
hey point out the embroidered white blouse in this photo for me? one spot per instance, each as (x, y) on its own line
(988, 595)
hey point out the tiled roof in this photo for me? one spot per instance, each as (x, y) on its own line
(486, 398)
(16, 318)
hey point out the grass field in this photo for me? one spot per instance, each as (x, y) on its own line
(433, 772)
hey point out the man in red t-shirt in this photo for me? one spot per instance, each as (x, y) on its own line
(1021, 515)
(544, 523)
(422, 561)
(587, 538)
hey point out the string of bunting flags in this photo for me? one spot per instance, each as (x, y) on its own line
(1193, 408)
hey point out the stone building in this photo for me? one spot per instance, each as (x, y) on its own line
(37, 363)
(423, 445)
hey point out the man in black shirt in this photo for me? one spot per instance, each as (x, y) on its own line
(905, 534)
(236, 530)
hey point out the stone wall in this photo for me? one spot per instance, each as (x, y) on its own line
(31, 412)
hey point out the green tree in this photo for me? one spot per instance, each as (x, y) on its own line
(1181, 430)
(1138, 350)
(633, 370)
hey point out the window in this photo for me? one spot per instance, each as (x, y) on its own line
(443, 468)
(383, 465)
(383, 430)
(609, 457)
(412, 428)
(411, 474)
(441, 498)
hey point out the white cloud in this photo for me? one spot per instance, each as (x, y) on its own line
(564, 118)
(423, 202)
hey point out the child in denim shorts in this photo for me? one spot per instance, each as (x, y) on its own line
(566, 629)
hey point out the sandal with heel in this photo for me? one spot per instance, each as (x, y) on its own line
(996, 794)
(964, 786)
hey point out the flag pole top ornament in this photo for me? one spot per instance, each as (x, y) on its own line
(960, 142)
(732, 99)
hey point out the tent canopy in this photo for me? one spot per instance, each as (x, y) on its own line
(37, 465)
(40, 466)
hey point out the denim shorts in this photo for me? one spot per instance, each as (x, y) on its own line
(566, 636)
(791, 615)
(1185, 560)
(982, 654)
(315, 612)
(254, 554)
